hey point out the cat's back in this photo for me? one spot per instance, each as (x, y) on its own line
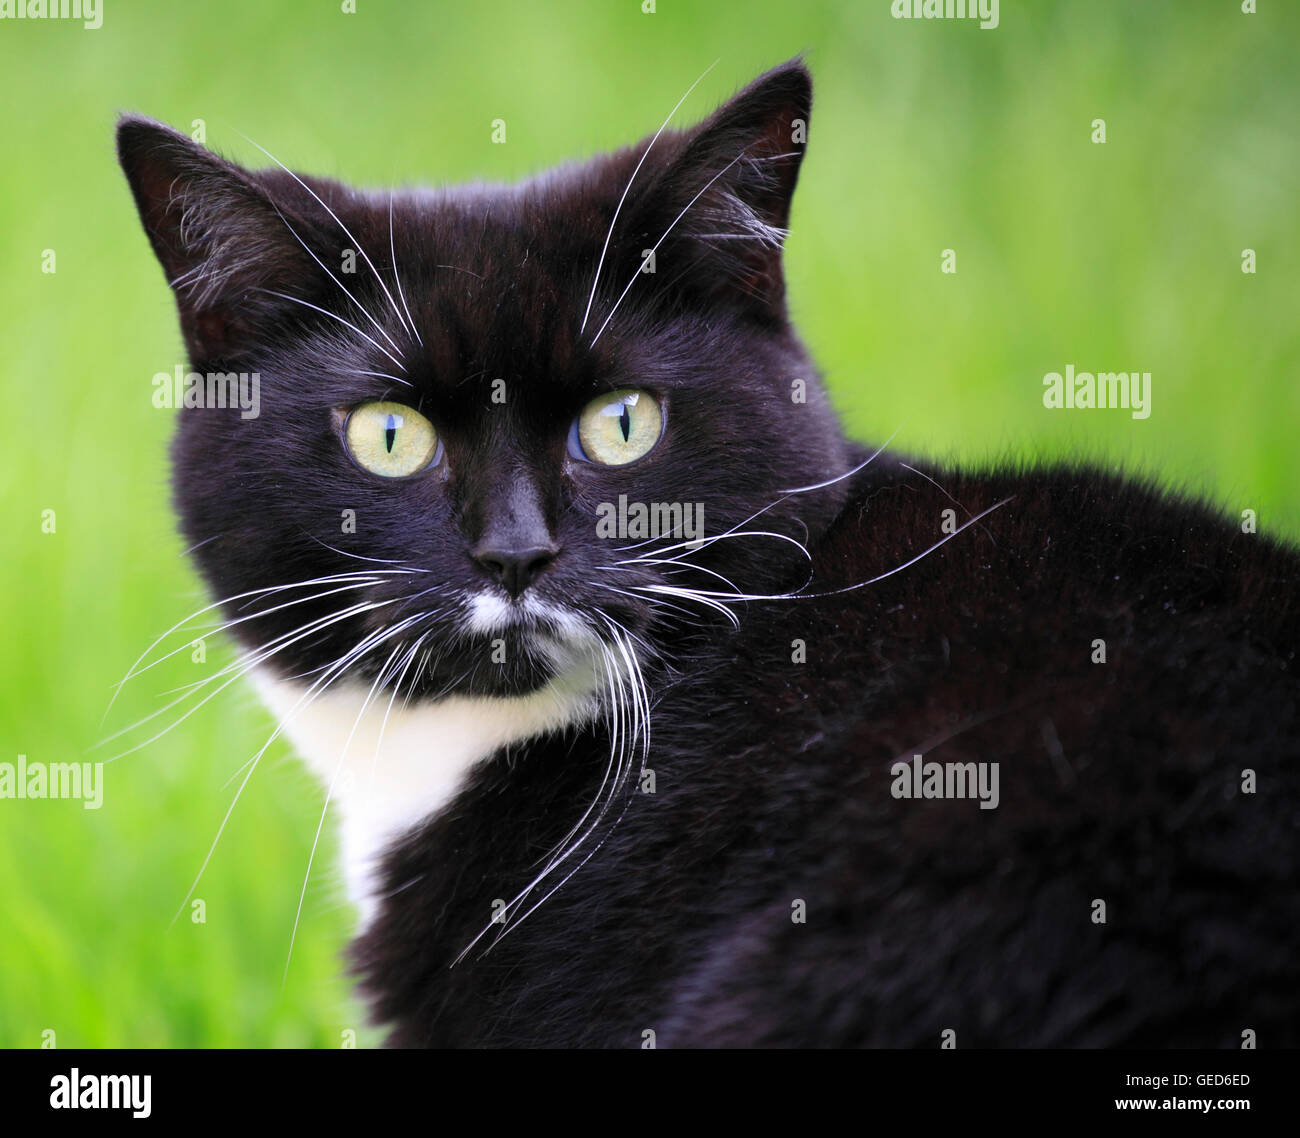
(1035, 783)
(960, 596)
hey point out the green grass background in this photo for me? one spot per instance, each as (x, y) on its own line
(926, 136)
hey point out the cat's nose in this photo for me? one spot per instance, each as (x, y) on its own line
(516, 569)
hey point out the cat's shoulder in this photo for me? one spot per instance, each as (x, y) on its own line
(969, 589)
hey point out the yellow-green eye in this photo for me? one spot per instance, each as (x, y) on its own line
(617, 428)
(390, 439)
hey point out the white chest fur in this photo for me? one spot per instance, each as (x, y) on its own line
(386, 777)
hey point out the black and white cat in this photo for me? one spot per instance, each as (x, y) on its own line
(885, 750)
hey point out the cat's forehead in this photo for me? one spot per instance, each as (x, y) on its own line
(501, 286)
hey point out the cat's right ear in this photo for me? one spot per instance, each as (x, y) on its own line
(222, 242)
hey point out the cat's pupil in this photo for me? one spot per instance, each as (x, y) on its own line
(390, 432)
(625, 423)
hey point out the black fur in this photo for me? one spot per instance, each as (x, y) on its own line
(773, 785)
(1120, 781)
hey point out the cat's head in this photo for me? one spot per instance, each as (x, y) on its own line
(469, 400)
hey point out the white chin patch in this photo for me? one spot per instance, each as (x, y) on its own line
(566, 639)
(489, 612)
(387, 769)
(494, 612)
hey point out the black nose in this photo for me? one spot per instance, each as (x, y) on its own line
(516, 569)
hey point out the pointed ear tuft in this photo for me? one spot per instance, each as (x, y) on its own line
(765, 130)
(214, 229)
(734, 180)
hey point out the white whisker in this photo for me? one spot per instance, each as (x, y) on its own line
(375, 639)
(595, 280)
(217, 604)
(206, 699)
(311, 253)
(397, 280)
(343, 227)
(671, 226)
(333, 316)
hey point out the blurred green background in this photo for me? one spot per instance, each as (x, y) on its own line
(926, 136)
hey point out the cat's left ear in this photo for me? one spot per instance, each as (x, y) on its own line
(224, 243)
(732, 185)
